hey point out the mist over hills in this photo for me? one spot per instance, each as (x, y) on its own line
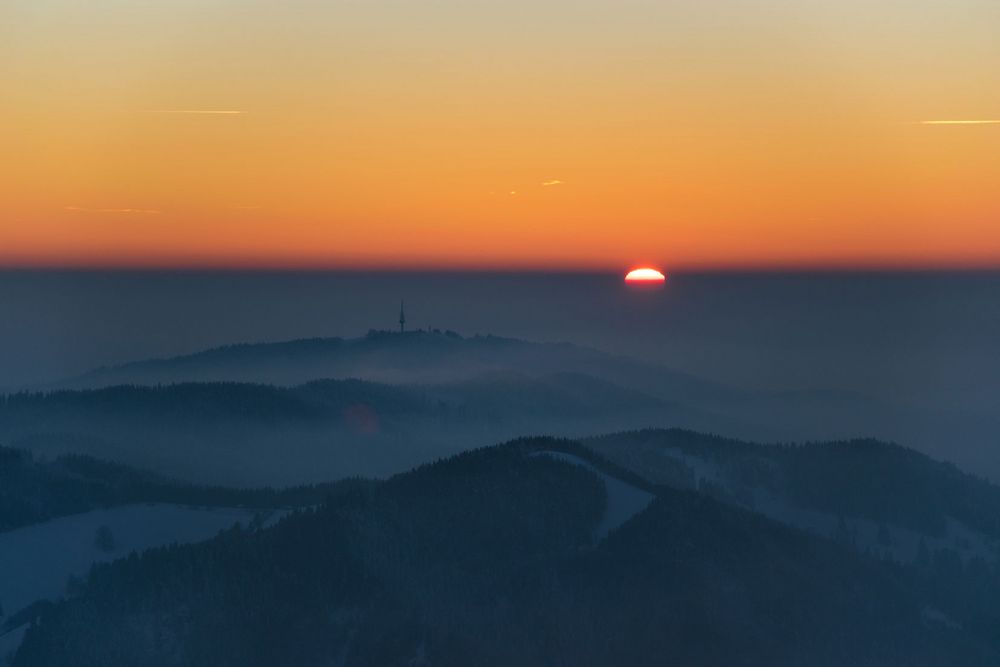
(413, 357)
(683, 533)
(455, 363)
(255, 434)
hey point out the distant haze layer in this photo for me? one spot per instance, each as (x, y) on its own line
(915, 337)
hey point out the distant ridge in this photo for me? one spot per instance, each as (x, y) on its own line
(436, 357)
(421, 356)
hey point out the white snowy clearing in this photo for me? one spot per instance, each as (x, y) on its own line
(37, 561)
(624, 500)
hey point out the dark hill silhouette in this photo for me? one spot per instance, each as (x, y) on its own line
(430, 357)
(489, 558)
(415, 357)
(254, 434)
(875, 497)
(411, 357)
(864, 478)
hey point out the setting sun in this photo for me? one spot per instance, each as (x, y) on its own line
(259, 257)
(644, 275)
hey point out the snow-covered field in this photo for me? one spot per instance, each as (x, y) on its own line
(37, 561)
(624, 500)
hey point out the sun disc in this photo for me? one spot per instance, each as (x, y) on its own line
(644, 275)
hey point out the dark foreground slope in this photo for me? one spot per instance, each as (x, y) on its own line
(867, 479)
(490, 558)
(877, 498)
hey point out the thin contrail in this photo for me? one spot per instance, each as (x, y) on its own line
(195, 111)
(82, 209)
(960, 122)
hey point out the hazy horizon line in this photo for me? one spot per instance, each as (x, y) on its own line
(527, 269)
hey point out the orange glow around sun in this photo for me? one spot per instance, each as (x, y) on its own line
(304, 134)
(644, 275)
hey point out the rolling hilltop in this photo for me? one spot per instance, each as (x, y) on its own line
(494, 557)
(33, 490)
(414, 357)
(579, 390)
(254, 434)
(638, 547)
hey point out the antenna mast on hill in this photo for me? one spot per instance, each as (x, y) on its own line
(402, 317)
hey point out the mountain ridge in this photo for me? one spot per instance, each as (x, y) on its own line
(438, 358)
(380, 577)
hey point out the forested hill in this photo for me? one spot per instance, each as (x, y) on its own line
(33, 490)
(244, 434)
(447, 358)
(866, 479)
(490, 558)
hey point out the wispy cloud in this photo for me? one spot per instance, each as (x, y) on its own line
(141, 211)
(960, 122)
(552, 182)
(208, 112)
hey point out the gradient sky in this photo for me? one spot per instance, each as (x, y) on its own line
(591, 133)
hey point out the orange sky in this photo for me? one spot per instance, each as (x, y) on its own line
(593, 133)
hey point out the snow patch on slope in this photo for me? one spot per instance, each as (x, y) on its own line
(624, 500)
(37, 561)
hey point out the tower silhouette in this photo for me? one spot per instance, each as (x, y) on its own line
(402, 317)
